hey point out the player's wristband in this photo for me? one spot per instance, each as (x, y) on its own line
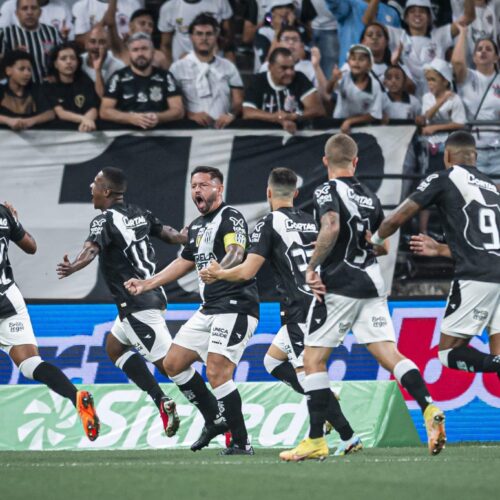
(376, 239)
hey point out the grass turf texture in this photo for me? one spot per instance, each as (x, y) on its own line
(467, 471)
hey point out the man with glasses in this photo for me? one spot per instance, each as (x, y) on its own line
(211, 85)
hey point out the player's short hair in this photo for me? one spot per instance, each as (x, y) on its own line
(13, 56)
(340, 149)
(214, 173)
(204, 19)
(116, 179)
(461, 139)
(279, 51)
(140, 35)
(283, 181)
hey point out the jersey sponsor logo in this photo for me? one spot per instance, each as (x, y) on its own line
(16, 326)
(142, 97)
(362, 201)
(379, 321)
(203, 259)
(426, 182)
(323, 195)
(480, 314)
(301, 227)
(97, 226)
(255, 236)
(4, 223)
(157, 78)
(135, 222)
(471, 179)
(237, 222)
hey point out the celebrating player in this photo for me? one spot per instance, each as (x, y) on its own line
(220, 330)
(349, 295)
(286, 238)
(121, 238)
(469, 204)
(16, 332)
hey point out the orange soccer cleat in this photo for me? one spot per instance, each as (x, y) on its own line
(88, 415)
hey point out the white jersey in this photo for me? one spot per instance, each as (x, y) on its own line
(420, 50)
(325, 20)
(304, 66)
(87, 13)
(110, 65)
(451, 111)
(407, 109)
(56, 13)
(472, 91)
(206, 86)
(352, 101)
(177, 15)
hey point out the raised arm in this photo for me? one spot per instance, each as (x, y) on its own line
(458, 57)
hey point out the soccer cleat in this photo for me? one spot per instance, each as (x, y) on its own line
(434, 425)
(169, 416)
(207, 434)
(88, 415)
(350, 446)
(308, 449)
(238, 450)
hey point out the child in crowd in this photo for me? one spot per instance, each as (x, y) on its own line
(22, 104)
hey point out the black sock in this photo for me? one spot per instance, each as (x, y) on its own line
(230, 407)
(136, 370)
(469, 359)
(413, 382)
(335, 416)
(55, 379)
(286, 373)
(197, 393)
(317, 403)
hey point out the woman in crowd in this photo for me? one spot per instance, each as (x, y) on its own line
(22, 104)
(71, 91)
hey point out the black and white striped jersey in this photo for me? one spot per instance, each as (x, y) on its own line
(37, 42)
(469, 204)
(208, 238)
(123, 235)
(286, 239)
(351, 269)
(10, 230)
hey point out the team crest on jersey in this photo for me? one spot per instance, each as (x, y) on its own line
(155, 94)
(79, 100)
(496, 90)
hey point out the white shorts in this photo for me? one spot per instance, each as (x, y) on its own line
(16, 329)
(226, 334)
(329, 321)
(146, 331)
(472, 306)
(290, 340)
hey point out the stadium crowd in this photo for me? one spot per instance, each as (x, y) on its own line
(428, 62)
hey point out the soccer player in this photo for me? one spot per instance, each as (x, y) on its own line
(349, 295)
(121, 238)
(469, 204)
(285, 237)
(16, 332)
(220, 330)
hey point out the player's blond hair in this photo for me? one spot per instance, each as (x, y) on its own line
(340, 150)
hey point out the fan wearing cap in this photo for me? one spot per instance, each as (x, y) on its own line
(359, 93)
(419, 43)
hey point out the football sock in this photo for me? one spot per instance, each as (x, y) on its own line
(134, 366)
(55, 379)
(230, 406)
(335, 416)
(469, 359)
(408, 375)
(284, 371)
(317, 388)
(195, 390)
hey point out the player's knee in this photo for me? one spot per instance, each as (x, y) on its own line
(114, 349)
(217, 375)
(172, 366)
(443, 357)
(29, 365)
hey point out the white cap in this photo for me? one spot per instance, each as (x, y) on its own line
(358, 47)
(281, 3)
(419, 3)
(442, 67)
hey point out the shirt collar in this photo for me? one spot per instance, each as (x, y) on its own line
(272, 84)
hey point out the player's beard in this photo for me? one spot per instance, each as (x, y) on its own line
(141, 63)
(204, 205)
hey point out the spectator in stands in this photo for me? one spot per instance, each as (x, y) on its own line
(98, 62)
(142, 20)
(54, 12)
(31, 36)
(359, 93)
(480, 92)
(23, 104)
(253, 16)
(211, 86)
(177, 15)
(140, 94)
(353, 15)
(88, 13)
(419, 43)
(71, 92)
(281, 95)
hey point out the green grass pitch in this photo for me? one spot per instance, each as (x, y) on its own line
(468, 472)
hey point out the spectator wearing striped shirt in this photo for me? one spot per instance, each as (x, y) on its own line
(31, 36)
